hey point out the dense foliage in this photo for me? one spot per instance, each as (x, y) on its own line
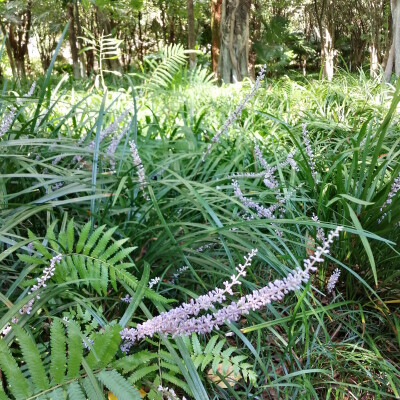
(109, 216)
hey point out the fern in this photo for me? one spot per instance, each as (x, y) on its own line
(162, 73)
(213, 355)
(43, 380)
(94, 259)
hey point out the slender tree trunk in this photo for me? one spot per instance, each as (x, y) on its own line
(191, 34)
(234, 52)
(329, 55)
(394, 54)
(80, 41)
(140, 36)
(72, 41)
(215, 33)
(9, 53)
(374, 62)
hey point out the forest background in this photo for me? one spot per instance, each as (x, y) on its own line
(231, 37)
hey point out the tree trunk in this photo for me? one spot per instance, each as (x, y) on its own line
(215, 33)
(328, 56)
(10, 53)
(394, 55)
(72, 41)
(374, 67)
(80, 41)
(234, 52)
(19, 38)
(191, 33)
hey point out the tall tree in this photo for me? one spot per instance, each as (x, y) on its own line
(19, 35)
(394, 55)
(191, 33)
(215, 33)
(73, 41)
(234, 50)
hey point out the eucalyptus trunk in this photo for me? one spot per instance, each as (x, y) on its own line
(234, 51)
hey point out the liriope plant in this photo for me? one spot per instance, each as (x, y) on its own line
(59, 369)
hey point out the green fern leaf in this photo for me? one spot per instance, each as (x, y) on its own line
(38, 246)
(171, 367)
(214, 366)
(207, 359)
(103, 242)
(177, 382)
(3, 396)
(50, 235)
(196, 344)
(19, 386)
(210, 345)
(104, 278)
(227, 353)
(83, 236)
(62, 240)
(32, 358)
(57, 394)
(142, 372)
(31, 259)
(121, 255)
(75, 350)
(218, 347)
(80, 265)
(70, 236)
(58, 351)
(92, 240)
(75, 391)
(131, 362)
(113, 249)
(104, 348)
(89, 389)
(72, 271)
(115, 382)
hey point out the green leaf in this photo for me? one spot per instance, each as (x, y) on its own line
(365, 242)
(18, 384)
(32, 358)
(115, 382)
(58, 351)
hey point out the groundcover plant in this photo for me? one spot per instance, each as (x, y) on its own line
(169, 244)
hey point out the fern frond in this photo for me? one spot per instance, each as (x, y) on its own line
(57, 394)
(104, 348)
(131, 362)
(32, 358)
(58, 351)
(118, 385)
(75, 391)
(70, 236)
(142, 372)
(18, 384)
(83, 237)
(103, 242)
(75, 350)
(92, 240)
(177, 382)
